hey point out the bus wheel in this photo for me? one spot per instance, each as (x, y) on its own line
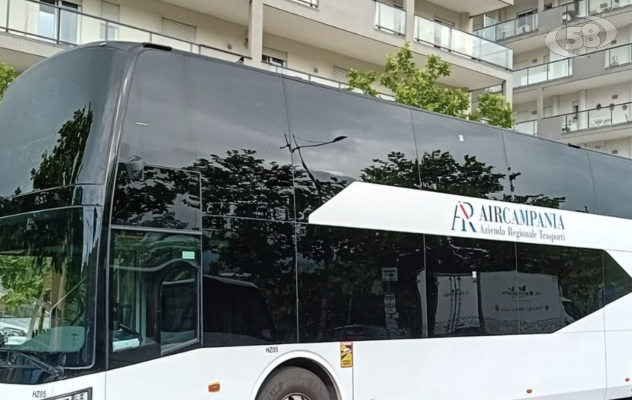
(293, 383)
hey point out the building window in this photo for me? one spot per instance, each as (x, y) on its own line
(111, 13)
(179, 30)
(273, 57)
(58, 20)
(341, 74)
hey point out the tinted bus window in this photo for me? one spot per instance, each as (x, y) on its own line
(156, 126)
(470, 287)
(238, 122)
(259, 259)
(337, 138)
(358, 284)
(617, 282)
(611, 176)
(460, 158)
(557, 286)
(549, 174)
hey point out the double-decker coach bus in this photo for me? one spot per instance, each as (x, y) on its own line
(178, 227)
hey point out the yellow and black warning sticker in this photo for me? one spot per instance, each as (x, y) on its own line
(346, 355)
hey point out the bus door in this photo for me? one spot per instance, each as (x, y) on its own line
(154, 264)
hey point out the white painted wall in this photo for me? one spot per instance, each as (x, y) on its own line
(431, 11)
(620, 147)
(524, 111)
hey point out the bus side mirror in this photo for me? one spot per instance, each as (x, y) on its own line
(135, 169)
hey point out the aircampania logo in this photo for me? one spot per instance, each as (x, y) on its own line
(508, 221)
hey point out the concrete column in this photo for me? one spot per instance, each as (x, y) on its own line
(409, 6)
(508, 90)
(467, 23)
(583, 105)
(255, 33)
(555, 105)
(540, 107)
(540, 6)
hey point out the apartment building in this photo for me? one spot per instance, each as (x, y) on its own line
(583, 99)
(318, 40)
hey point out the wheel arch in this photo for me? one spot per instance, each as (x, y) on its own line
(308, 361)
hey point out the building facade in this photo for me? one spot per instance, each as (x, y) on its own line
(583, 98)
(318, 40)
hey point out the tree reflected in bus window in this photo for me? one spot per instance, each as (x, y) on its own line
(166, 198)
(238, 118)
(249, 282)
(458, 157)
(557, 286)
(334, 139)
(358, 284)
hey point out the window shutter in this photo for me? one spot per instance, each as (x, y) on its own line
(178, 30)
(340, 74)
(281, 55)
(110, 11)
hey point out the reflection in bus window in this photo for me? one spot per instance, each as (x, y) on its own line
(154, 294)
(235, 314)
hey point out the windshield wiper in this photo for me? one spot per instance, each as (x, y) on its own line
(54, 370)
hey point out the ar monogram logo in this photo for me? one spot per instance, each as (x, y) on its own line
(464, 212)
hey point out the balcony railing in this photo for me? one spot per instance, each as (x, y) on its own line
(317, 79)
(543, 73)
(309, 3)
(509, 29)
(614, 114)
(67, 27)
(620, 55)
(528, 127)
(582, 8)
(390, 19)
(462, 43)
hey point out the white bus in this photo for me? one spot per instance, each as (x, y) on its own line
(178, 227)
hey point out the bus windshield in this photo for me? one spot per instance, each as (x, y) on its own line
(45, 274)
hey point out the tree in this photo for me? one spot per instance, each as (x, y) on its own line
(418, 87)
(7, 75)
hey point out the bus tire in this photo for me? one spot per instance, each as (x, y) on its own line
(290, 383)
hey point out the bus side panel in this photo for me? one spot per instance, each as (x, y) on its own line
(239, 370)
(618, 321)
(556, 366)
(94, 383)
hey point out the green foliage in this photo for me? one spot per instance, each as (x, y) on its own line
(61, 167)
(7, 75)
(491, 109)
(22, 279)
(418, 87)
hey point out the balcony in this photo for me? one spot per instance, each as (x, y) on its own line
(582, 8)
(609, 122)
(509, 29)
(462, 43)
(543, 73)
(613, 114)
(320, 80)
(63, 27)
(528, 127)
(390, 19)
